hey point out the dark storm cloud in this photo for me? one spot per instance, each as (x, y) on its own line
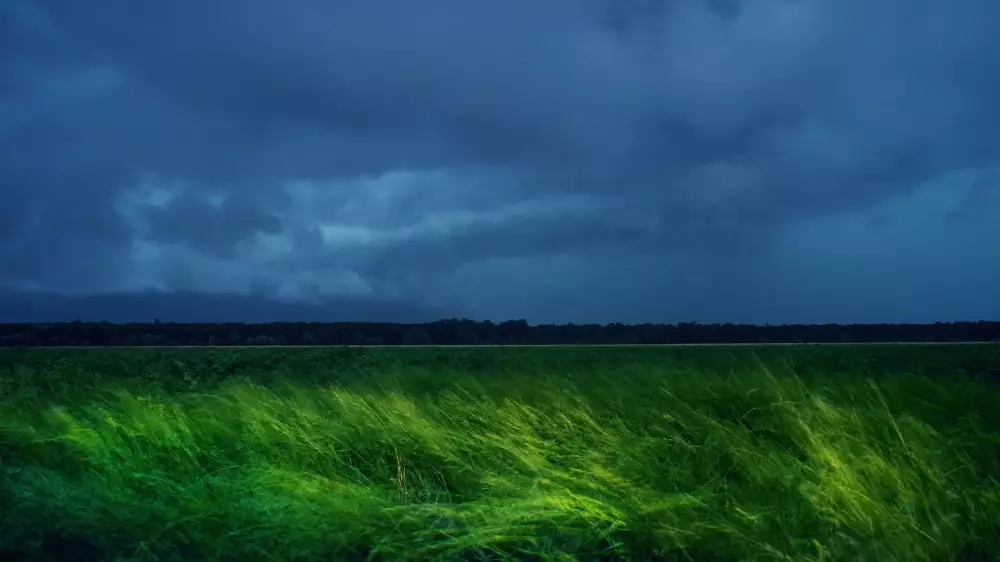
(211, 228)
(716, 156)
(195, 307)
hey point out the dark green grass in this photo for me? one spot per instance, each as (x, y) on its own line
(805, 453)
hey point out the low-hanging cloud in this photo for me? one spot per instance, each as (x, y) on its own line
(579, 160)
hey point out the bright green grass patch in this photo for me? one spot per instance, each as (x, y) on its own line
(626, 455)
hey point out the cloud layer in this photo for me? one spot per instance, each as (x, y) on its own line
(569, 160)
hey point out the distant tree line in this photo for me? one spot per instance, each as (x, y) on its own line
(469, 332)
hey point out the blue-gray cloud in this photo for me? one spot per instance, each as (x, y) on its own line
(595, 160)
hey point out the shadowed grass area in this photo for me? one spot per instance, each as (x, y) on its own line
(636, 460)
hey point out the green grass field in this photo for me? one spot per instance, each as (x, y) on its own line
(801, 453)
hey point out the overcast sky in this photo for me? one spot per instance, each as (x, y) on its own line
(554, 160)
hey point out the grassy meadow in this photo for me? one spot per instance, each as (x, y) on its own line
(800, 453)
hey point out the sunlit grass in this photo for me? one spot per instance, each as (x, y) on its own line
(643, 462)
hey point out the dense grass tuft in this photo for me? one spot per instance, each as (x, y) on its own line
(554, 455)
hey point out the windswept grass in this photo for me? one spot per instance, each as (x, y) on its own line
(636, 460)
